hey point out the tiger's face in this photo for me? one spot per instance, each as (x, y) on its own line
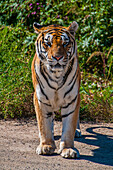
(55, 45)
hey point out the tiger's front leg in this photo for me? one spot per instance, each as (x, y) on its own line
(44, 118)
(69, 120)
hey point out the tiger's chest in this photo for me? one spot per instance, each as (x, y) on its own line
(57, 93)
(54, 98)
(57, 100)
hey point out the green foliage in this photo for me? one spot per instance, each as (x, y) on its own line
(96, 98)
(94, 38)
(15, 71)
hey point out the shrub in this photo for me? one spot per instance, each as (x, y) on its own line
(96, 98)
(15, 71)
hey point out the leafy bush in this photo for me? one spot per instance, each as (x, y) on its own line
(94, 38)
(15, 72)
(95, 21)
(96, 98)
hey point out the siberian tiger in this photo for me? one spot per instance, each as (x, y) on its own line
(56, 80)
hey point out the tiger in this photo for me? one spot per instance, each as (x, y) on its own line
(56, 80)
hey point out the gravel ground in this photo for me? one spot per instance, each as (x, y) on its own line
(19, 139)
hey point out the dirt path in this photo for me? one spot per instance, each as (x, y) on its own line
(19, 139)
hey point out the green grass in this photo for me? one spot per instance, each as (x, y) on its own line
(96, 99)
(15, 71)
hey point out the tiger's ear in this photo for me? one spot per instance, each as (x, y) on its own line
(73, 27)
(37, 27)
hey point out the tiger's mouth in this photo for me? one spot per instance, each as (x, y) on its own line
(57, 67)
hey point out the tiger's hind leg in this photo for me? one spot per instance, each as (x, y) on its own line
(78, 131)
(69, 121)
(47, 145)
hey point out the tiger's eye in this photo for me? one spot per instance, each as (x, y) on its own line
(49, 44)
(65, 43)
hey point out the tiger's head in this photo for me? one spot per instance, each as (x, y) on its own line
(55, 45)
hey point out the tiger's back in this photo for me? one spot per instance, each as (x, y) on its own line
(56, 80)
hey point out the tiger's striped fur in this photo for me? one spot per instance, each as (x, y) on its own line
(56, 80)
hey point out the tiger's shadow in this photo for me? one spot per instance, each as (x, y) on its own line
(104, 143)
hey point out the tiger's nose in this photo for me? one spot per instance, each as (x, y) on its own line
(57, 57)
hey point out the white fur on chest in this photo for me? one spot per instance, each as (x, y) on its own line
(56, 96)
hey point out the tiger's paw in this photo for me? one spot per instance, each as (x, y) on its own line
(69, 153)
(78, 133)
(45, 150)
